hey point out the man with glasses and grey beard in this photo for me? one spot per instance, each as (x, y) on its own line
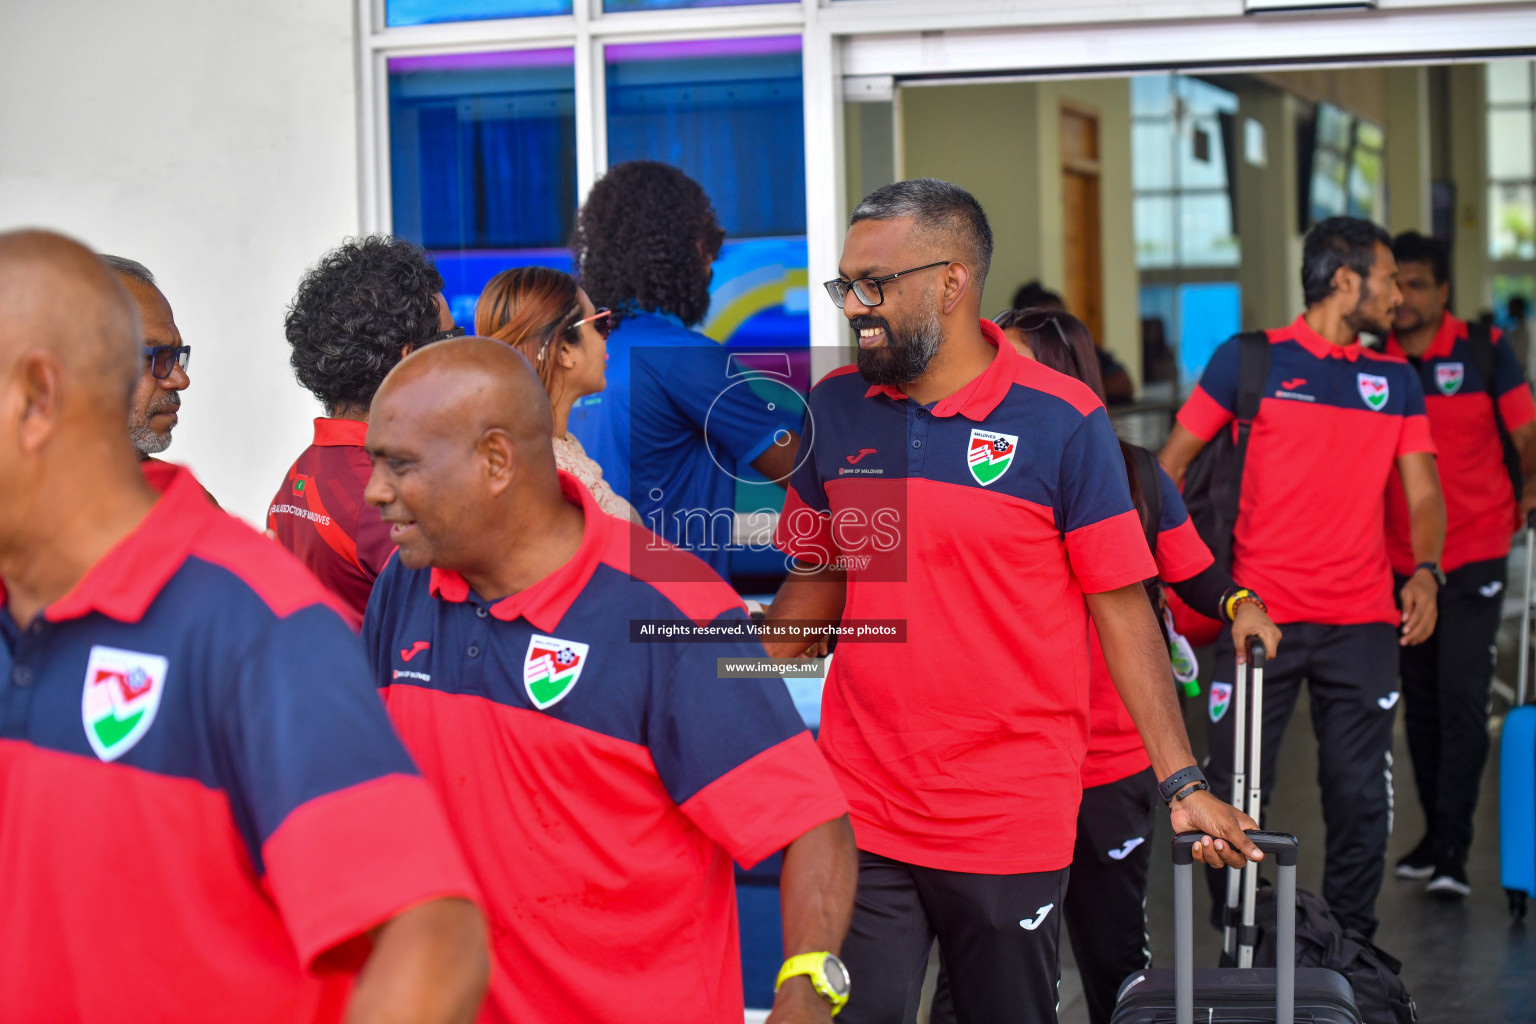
(1003, 532)
(156, 401)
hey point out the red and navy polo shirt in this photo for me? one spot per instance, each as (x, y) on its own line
(203, 808)
(1332, 424)
(319, 514)
(979, 521)
(600, 787)
(1115, 750)
(1481, 513)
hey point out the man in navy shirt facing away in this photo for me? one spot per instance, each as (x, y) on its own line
(670, 430)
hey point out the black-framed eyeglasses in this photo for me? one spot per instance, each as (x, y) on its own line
(870, 291)
(601, 321)
(452, 332)
(163, 359)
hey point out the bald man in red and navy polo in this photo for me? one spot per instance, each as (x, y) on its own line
(1472, 381)
(980, 500)
(204, 814)
(601, 784)
(1335, 419)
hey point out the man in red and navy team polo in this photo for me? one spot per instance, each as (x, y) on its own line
(357, 313)
(1003, 488)
(205, 814)
(600, 786)
(1446, 679)
(1334, 420)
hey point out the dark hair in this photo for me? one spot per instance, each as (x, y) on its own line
(1334, 243)
(1060, 341)
(1033, 294)
(1517, 305)
(936, 207)
(1412, 247)
(530, 308)
(354, 313)
(638, 240)
(129, 268)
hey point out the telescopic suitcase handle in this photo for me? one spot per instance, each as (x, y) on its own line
(1283, 848)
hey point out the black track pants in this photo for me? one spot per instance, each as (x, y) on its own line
(1352, 675)
(998, 939)
(1445, 703)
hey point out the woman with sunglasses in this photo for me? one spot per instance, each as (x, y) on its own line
(1108, 883)
(545, 316)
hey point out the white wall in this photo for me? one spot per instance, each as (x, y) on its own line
(216, 143)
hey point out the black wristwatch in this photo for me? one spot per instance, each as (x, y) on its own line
(1434, 570)
(1171, 786)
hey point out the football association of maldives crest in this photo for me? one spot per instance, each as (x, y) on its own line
(122, 693)
(551, 669)
(990, 455)
(1373, 390)
(1448, 377)
(1221, 699)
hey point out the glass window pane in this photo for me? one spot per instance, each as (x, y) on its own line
(1153, 217)
(1333, 127)
(729, 112)
(1509, 81)
(1152, 154)
(1206, 238)
(1511, 222)
(483, 162)
(1327, 196)
(425, 12)
(612, 6)
(1152, 96)
(1202, 154)
(1509, 144)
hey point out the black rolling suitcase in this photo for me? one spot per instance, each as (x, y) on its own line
(1241, 993)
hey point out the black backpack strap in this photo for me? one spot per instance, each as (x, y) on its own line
(1485, 361)
(1149, 482)
(1252, 371)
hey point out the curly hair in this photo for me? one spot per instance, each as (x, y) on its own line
(638, 242)
(528, 308)
(355, 312)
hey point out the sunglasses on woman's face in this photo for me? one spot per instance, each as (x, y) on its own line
(601, 321)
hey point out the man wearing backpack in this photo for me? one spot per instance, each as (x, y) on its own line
(1329, 421)
(1483, 421)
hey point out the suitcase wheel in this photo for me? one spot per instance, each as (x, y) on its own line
(1516, 903)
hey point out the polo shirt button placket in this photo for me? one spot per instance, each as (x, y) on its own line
(917, 428)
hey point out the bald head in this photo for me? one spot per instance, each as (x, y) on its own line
(467, 386)
(57, 297)
(463, 468)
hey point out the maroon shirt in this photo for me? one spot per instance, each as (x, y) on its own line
(319, 514)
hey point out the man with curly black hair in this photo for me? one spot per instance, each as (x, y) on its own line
(669, 431)
(365, 306)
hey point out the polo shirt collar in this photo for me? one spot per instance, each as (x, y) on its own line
(127, 579)
(978, 399)
(545, 603)
(1451, 330)
(335, 433)
(1303, 334)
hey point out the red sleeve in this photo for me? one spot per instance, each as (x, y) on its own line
(349, 860)
(1415, 436)
(1517, 407)
(373, 544)
(1181, 554)
(803, 532)
(1202, 415)
(769, 801)
(1110, 554)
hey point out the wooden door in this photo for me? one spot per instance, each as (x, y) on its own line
(1083, 274)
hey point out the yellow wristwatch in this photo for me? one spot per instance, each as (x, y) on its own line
(827, 973)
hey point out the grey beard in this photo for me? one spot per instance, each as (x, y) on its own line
(147, 441)
(897, 365)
